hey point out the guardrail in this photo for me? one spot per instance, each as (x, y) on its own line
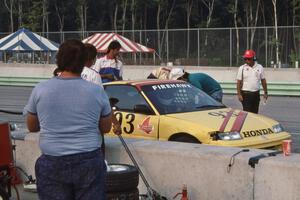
(274, 88)
(21, 81)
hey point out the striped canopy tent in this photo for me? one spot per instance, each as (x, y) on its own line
(102, 40)
(25, 41)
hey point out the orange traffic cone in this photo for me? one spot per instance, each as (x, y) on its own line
(183, 193)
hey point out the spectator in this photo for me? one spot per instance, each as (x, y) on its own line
(200, 80)
(89, 73)
(248, 82)
(109, 67)
(70, 113)
(93, 76)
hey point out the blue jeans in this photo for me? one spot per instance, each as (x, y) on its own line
(72, 177)
(217, 95)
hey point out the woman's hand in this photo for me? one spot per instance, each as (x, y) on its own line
(117, 129)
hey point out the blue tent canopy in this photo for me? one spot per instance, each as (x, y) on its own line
(26, 41)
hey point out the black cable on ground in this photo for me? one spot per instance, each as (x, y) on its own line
(29, 177)
(11, 112)
(17, 192)
(232, 159)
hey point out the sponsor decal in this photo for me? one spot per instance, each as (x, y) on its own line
(254, 133)
(221, 114)
(170, 85)
(146, 126)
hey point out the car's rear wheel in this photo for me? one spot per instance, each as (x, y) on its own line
(186, 138)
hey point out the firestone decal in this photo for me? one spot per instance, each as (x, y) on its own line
(146, 126)
(257, 132)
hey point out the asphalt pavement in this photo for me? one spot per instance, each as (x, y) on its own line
(286, 110)
(283, 109)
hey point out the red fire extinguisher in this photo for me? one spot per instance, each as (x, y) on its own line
(183, 193)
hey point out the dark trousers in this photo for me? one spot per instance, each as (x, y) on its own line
(250, 101)
(72, 177)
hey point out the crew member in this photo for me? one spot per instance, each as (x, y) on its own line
(248, 82)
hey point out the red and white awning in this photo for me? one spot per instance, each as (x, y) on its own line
(102, 40)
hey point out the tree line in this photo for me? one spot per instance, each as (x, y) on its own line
(96, 15)
(122, 15)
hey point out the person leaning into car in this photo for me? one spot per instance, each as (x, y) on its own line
(201, 81)
(248, 78)
(70, 113)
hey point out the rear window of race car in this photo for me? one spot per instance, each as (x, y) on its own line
(179, 97)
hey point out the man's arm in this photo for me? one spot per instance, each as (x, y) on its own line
(264, 85)
(239, 90)
(32, 122)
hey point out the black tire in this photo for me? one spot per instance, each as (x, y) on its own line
(186, 138)
(3, 195)
(129, 195)
(121, 177)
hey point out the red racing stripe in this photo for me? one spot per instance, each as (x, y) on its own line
(226, 120)
(239, 121)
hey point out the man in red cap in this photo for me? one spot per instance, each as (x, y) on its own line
(248, 82)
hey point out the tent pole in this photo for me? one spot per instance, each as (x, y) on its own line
(153, 58)
(134, 57)
(140, 58)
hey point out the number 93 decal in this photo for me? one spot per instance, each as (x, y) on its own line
(129, 118)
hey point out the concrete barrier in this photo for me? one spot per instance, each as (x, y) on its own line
(222, 74)
(169, 165)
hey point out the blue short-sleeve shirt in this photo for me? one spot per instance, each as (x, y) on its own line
(69, 110)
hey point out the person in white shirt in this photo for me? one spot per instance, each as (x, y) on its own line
(248, 82)
(108, 66)
(89, 73)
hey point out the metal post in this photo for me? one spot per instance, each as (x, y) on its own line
(266, 47)
(141, 43)
(198, 44)
(230, 46)
(167, 38)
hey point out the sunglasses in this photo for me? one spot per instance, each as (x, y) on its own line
(248, 58)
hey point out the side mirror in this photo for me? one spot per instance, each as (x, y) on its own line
(113, 101)
(143, 109)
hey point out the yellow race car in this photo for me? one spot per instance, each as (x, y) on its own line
(177, 111)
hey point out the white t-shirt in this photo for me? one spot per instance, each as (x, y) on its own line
(104, 65)
(91, 75)
(251, 76)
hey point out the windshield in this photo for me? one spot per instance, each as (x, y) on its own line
(179, 97)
